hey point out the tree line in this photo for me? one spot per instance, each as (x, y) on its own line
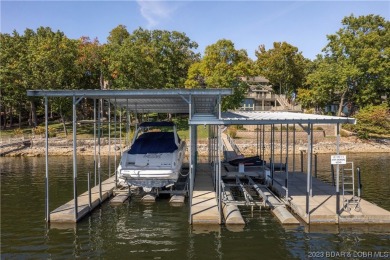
(352, 69)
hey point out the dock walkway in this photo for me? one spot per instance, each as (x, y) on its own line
(322, 205)
(66, 213)
(204, 206)
(229, 152)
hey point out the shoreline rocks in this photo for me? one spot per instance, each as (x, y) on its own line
(246, 146)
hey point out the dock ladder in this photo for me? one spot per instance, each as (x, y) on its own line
(348, 184)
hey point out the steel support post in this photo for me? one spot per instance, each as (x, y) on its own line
(272, 154)
(281, 147)
(191, 173)
(128, 141)
(257, 140)
(294, 148)
(94, 140)
(98, 157)
(75, 160)
(47, 211)
(311, 160)
(209, 143)
(120, 129)
(286, 183)
(219, 173)
(338, 172)
(308, 172)
(195, 152)
(109, 139)
(116, 175)
(89, 191)
(263, 142)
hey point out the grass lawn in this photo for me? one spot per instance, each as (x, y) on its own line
(85, 129)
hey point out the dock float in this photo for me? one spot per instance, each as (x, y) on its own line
(177, 200)
(66, 213)
(204, 207)
(119, 198)
(230, 211)
(322, 205)
(275, 204)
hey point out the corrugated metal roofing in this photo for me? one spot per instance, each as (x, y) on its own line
(204, 106)
(148, 100)
(267, 118)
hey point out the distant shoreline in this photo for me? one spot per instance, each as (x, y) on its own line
(247, 147)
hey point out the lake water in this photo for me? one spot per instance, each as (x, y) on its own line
(159, 231)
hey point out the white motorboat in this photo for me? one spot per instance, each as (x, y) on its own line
(155, 157)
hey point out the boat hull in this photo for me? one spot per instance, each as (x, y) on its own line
(148, 171)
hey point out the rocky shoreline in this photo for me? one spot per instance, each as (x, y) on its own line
(246, 146)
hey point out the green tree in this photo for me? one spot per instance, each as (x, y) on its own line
(221, 67)
(13, 87)
(361, 50)
(51, 60)
(283, 65)
(118, 35)
(150, 59)
(329, 82)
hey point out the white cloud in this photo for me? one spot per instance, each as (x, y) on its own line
(156, 11)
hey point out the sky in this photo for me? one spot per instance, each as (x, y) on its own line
(247, 24)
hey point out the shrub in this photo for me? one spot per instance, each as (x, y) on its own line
(232, 131)
(309, 111)
(372, 120)
(344, 133)
(18, 132)
(52, 132)
(39, 130)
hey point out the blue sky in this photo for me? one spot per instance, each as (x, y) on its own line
(248, 24)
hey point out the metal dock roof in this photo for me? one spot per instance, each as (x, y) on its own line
(147, 100)
(204, 106)
(267, 117)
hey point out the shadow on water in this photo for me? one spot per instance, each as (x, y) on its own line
(159, 231)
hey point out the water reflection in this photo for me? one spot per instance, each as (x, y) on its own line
(160, 231)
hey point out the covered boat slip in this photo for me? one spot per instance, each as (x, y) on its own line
(210, 198)
(174, 101)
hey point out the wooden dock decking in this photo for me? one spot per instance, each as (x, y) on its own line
(322, 205)
(66, 213)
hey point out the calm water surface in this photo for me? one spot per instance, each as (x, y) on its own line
(159, 231)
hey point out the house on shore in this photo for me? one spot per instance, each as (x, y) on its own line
(262, 97)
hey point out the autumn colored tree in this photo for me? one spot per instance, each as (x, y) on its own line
(90, 63)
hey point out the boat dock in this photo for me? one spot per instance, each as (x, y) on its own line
(66, 212)
(218, 189)
(322, 203)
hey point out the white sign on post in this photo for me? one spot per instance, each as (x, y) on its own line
(338, 159)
